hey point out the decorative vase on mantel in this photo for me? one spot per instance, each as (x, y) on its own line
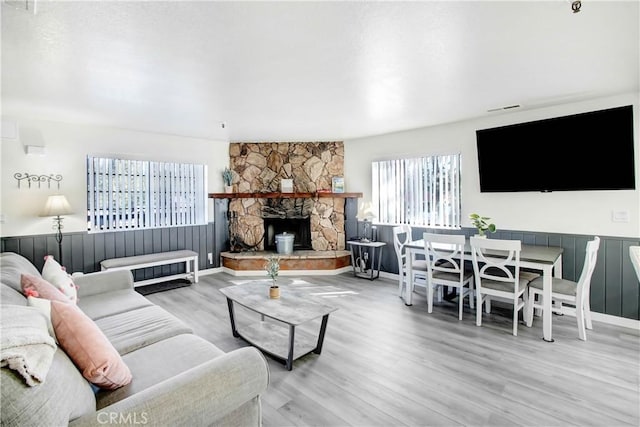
(227, 178)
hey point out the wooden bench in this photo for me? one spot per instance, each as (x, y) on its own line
(190, 258)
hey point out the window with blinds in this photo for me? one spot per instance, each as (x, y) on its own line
(134, 194)
(421, 191)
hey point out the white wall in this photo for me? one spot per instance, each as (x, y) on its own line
(573, 212)
(67, 146)
(581, 212)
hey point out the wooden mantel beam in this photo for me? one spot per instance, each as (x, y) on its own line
(283, 195)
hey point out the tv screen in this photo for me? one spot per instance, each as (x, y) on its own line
(587, 151)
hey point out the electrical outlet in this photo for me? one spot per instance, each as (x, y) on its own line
(210, 257)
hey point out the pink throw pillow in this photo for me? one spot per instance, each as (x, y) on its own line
(55, 274)
(88, 347)
(38, 287)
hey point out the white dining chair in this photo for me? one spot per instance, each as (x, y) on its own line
(446, 267)
(565, 291)
(496, 263)
(401, 236)
(634, 253)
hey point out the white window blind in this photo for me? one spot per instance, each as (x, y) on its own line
(135, 194)
(421, 191)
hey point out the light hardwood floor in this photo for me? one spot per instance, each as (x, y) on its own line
(386, 364)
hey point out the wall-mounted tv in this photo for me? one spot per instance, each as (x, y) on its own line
(587, 151)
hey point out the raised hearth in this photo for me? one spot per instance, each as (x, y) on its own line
(299, 262)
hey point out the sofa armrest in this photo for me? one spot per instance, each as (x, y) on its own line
(200, 396)
(103, 281)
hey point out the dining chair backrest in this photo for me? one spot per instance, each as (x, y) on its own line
(401, 236)
(445, 254)
(584, 282)
(495, 259)
(634, 254)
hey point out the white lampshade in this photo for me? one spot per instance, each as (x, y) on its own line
(57, 205)
(366, 211)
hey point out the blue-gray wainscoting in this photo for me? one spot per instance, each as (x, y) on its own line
(82, 252)
(615, 289)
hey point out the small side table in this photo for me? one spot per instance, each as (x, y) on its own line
(370, 251)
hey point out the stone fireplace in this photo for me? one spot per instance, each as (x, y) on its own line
(317, 222)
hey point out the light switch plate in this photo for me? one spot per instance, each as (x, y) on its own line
(620, 216)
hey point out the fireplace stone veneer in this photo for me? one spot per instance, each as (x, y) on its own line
(259, 168)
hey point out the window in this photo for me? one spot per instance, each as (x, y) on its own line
(422, 191)
(135, 194)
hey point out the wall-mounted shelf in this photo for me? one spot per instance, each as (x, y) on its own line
(283, 195)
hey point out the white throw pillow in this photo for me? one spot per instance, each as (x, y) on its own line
(44, 306)
(55, 274)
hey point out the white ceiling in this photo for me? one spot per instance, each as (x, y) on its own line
(308, 71)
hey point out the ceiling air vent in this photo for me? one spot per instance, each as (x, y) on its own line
(506, 107)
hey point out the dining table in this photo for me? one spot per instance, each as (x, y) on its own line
(546, 259)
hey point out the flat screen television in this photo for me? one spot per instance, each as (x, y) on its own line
(587, 151)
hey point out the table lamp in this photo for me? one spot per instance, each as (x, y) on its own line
(57, 206)
(365, 214)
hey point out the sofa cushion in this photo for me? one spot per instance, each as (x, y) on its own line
(109, 303)
(63, 396)
(157, 362)
(12, 266)
(55, 274)
(42, 288)
(133, 329)
(11, 296)
(88, 347)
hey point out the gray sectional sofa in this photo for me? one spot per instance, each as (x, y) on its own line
(178, 377)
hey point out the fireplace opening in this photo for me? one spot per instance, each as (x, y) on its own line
(300, 228)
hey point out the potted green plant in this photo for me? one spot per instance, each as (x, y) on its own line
(272, 266)
(227, 178)
(482, 224)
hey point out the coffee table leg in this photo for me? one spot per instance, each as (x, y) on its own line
(232, 318)
(323, 328)
(289, 364)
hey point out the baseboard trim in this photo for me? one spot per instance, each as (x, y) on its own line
(606, 318)
(208, 271)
